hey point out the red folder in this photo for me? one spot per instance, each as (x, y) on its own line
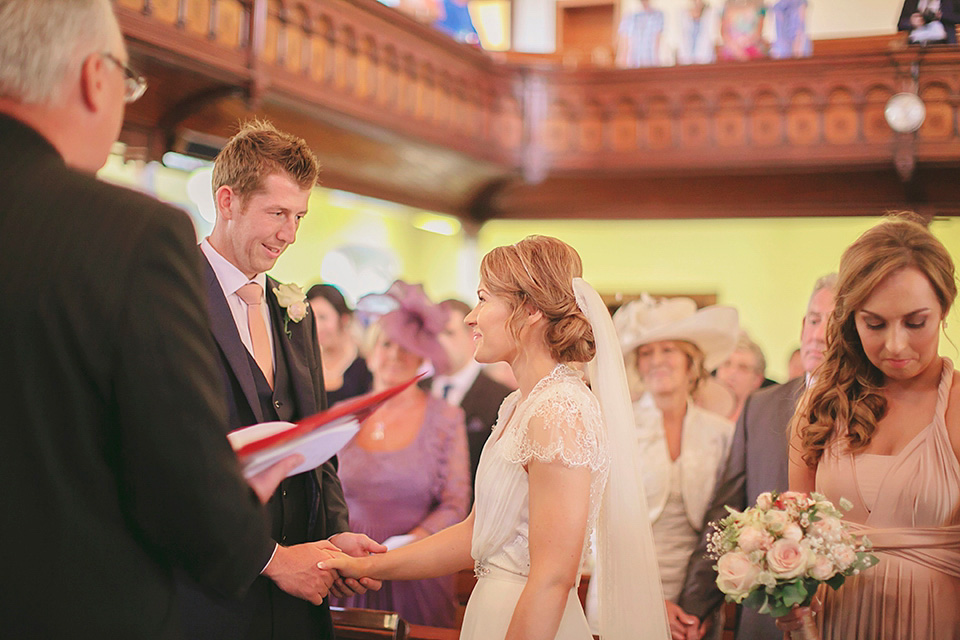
(317, 437)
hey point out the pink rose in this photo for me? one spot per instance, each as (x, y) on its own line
(736, 575)
(764, 501)
(822, 569)
(844, 555)
(787, 558)
(793, 532)
(752, 538)
(776, 520)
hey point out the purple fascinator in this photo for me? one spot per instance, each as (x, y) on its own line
(409, 319)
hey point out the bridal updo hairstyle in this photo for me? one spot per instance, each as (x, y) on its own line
(847, 386)
(538, 271)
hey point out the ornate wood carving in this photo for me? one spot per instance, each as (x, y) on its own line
(374, 75)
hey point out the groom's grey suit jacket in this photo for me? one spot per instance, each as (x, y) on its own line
(757, 463)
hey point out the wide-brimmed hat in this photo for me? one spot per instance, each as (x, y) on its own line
(713, 329)
(410, 319)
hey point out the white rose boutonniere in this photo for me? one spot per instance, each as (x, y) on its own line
(291, 298)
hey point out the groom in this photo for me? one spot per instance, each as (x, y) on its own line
(270, 369)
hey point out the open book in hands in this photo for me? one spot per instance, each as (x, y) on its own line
(317, 438)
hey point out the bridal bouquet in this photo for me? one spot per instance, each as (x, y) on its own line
(773, 556)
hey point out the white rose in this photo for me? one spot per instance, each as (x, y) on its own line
(822, 569)
(764, 500)
(787, 559)
(776, 520)
(736, 575)
(844, 556)
(297, 311)
(289, 294)
(752, 538)
(828, 528)
(793, 532)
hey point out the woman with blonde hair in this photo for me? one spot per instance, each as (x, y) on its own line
(558, 461)
(880, 426)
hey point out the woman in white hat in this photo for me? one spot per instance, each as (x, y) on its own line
(682, 445)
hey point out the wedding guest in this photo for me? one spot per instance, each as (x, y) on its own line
(116, 471)
(743, 372)
(681, 445)
(345, 372)
(930, 21)
(741, 30)
(560, 452)
(699, 32)
(880, 426)
(757, 463)
(794, 365)
(638, 38)
(790, 19)
(467, 384)
(407, 473)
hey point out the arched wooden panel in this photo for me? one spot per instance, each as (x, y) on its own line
(659, 123)
(875, 127)
(623, 127)
(694, 122)
(730, 122)
(591, 128)
(840, 118)
(939, 124)
(803, 119)
(766, 121)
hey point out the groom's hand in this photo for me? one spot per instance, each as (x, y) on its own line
(357, 545)
(683, 626)
(294, 569)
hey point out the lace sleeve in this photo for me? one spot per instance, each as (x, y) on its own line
(561, 425)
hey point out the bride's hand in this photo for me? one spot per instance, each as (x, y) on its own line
(346, 566)
(683, 626)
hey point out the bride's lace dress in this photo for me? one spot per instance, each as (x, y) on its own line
(572, 434)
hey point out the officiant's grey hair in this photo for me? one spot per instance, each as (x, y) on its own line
(44, 42)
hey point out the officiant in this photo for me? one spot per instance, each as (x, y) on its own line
(270, 368)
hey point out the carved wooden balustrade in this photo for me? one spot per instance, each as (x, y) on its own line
(398, 110)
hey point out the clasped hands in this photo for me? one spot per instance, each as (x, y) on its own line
(296, 569)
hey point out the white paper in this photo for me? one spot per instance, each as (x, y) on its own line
(316, 447)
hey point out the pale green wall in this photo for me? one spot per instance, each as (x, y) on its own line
(764, 267)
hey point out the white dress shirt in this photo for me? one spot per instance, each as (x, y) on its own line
(459, 383)
(231, 279)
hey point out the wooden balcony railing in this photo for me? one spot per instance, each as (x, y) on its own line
(398, 110)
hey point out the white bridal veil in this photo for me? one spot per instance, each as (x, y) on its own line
(631, 603)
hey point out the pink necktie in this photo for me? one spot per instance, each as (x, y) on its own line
(252, 294)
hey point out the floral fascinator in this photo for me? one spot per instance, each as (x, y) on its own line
(713, 329)
(409, 319)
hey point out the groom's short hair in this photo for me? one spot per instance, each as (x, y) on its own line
(260, 150)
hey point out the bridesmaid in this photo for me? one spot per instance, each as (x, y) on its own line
(880, 426)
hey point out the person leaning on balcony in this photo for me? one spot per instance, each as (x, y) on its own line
(930, 21)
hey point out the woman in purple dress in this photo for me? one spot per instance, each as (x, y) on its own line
(407, 473)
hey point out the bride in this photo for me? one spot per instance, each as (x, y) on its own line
(559, 462)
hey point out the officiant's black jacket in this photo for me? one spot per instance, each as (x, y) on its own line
(115, 468)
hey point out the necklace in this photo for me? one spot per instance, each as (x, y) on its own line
(378, 430)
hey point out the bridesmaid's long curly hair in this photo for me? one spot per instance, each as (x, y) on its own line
(848, 388)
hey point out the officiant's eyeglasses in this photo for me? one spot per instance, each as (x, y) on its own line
(134, 83)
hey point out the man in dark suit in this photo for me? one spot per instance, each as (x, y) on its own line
(757, 463)
(270, 368)
(468, 386)
(115, 466)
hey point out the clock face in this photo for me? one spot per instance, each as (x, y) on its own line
(905, 112)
